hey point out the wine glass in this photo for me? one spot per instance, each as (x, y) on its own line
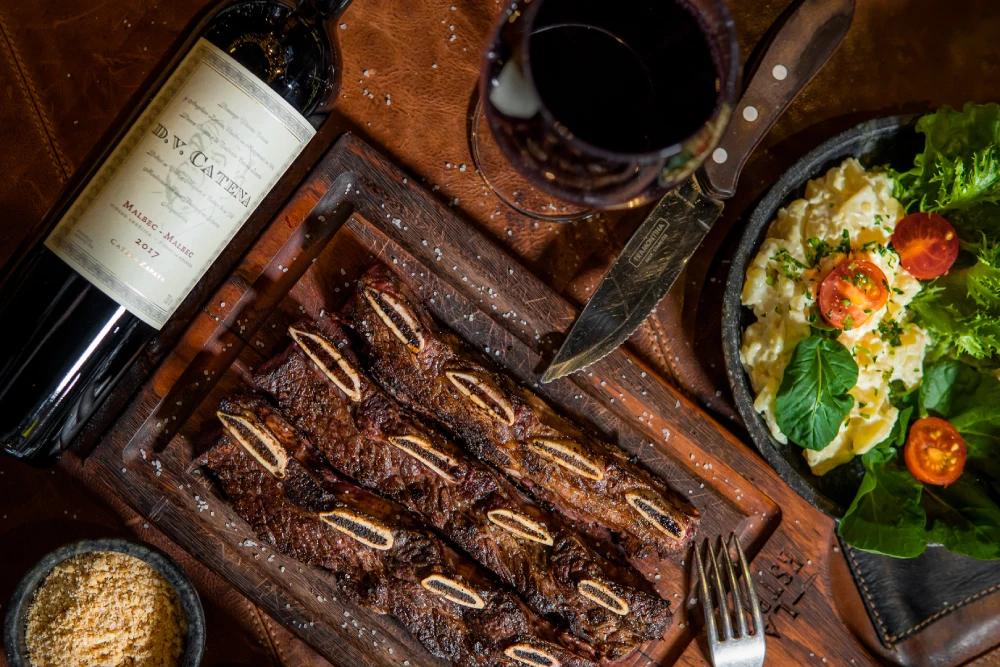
(601, 105)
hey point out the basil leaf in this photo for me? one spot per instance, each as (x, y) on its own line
(812, 401)
(963, 518)
(886, 516)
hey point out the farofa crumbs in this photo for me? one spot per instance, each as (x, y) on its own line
(105, 609)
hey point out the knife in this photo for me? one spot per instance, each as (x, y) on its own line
(803, 40)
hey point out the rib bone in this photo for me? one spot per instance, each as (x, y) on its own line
(531, 655)
(322, 353)
(657, 512)
(521, 526)
(400, 320)
(453, 590)
(602, 595)
(570, 455)
(257, 440)
(424, 451)
(484, 395)
(362, 528)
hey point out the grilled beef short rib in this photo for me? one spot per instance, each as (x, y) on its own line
(590, 482)
(366, 435)
(382, 557)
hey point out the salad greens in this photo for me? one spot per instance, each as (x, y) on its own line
(957, 176)
(959, 170)
(886, 516)
(812, 401)
(970, 402)
(961, 310)
(896, 515)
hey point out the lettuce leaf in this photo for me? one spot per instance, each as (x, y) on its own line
(886, 516)
(968, 399)
(958, 174)
(944, 384)
(964, 518)
(896, 515)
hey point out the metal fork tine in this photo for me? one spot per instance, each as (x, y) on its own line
(741, 620)
(758, 620)
(706, 599)
(727, 626)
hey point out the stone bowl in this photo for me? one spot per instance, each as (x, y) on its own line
(888, 141)
(17, 609)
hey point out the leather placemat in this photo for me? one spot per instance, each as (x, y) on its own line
(906, 595)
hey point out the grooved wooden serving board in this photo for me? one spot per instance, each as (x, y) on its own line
(356, 208)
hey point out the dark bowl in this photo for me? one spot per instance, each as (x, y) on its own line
(884, 141)
(17, 609)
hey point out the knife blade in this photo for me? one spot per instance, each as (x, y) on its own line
(642, 274)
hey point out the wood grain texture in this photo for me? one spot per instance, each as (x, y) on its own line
(354, 208)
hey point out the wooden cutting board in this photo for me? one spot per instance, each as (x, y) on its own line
(355, 208)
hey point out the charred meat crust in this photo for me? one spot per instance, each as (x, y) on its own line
(386, 449)
(590, 482)
(449, 604)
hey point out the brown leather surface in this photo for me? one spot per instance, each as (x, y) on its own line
(68, 66)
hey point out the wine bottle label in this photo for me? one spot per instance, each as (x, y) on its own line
(208, 148)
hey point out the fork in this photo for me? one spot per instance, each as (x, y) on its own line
(746, 650)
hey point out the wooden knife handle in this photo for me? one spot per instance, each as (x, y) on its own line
(805, 39)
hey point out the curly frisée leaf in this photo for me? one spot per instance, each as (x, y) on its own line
(812, 401)
(961, 309)
(958, 174)
(886, 516)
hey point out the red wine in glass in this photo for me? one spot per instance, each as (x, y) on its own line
(603, 105)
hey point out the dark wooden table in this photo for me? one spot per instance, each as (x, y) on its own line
(68, 66)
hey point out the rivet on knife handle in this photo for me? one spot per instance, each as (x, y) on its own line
(808, 37)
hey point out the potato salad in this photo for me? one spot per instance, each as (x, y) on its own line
(826, 269)
(876, 337)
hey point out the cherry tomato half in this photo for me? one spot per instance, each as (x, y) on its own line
(927, 245)
(934, 452)
(853, 291)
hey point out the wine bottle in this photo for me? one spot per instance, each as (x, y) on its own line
(151, 219)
